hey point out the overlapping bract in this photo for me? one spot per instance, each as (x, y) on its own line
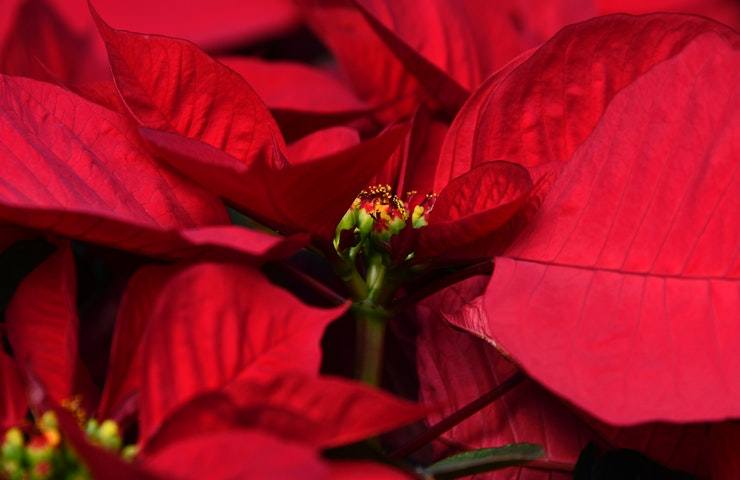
(599, 168)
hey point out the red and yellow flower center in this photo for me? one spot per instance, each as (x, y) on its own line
(383, 206)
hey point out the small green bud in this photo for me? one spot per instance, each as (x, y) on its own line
(129, 452)
(48, 421)
(91, 428)
(14, 437)
(108, 435)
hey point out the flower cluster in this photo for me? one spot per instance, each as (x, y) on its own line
(383, 239)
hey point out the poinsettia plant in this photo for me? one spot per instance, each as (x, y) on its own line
(494, 240)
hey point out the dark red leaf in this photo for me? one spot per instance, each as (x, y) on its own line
(101, 463)
(474, 205)
(42, 324)
(10, 234)
(123, 379)
(621, 294)
(172, 86)
(13, 403)
(42, 45)
(79, 170)
(215, 322)
(310, 196)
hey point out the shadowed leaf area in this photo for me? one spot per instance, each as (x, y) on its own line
(622, 464)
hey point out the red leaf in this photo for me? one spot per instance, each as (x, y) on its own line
(172, 86)
(455, 368)
(10, 234)
(321, 411)
(79, 170)
(317, 411)
(213, 323)
(365, 471)
(310, 196)
(123, 379)
(474, 205)
(302, 98)
(378, 77)
(213, 24)
(42, 325)
(544, 104)
(41, 45)
(725, 464)
(725, 11)
(101, 463)
(394, 51)
(631, 265)
(13, 403)
(237, 454)
(415, 164)
(295, 86)
(322, 143)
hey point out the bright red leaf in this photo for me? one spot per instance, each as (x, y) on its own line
(543, 105)
(172, 86)
(317, 411)
(237, 454)
(213, 323)
(456, 368)
(396, 51)
(295, 86)
(622, 293)
(322, 143)
(308, 196)
(725, 11)
(302, 98)
(473, 205)
(212, 24)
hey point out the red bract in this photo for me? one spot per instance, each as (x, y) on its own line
(109, 189)
(397, 54)
(262, 328)
(302, 98)
(44, 334)
(261, 358)
(457, 367)
(13, 403)
(41, 45)
(316, 411)
(224, 136)
(628, 266)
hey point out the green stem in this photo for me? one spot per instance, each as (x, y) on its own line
(370, 336)
(371, 319)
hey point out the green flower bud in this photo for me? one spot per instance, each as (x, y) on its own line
(108, 435)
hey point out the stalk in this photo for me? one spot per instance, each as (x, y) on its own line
(370, 337)
(371, 319)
